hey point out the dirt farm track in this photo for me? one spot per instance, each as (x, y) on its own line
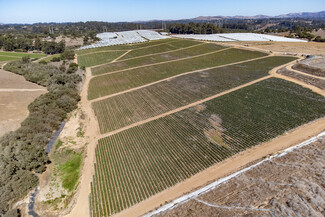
(214, 172)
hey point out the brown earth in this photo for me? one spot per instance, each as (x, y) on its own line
(15, 95)
(306, 48)
(291, 185)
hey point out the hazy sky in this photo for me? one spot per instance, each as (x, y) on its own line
(31, 11)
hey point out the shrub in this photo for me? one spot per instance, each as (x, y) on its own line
(56, 59)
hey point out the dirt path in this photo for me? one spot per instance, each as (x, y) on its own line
(159, 63)
(81, 207)
(184, 107)
(175, 76)
(139, 48)
(120, 56)
(165, 52)
(303, 73)
(227, 167)
(288, 66)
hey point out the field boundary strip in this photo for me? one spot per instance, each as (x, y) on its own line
(175, 76)
(113, 61)
(182, 108)
(294, 80)
(160, 63)
(215, 184)
(303, 73)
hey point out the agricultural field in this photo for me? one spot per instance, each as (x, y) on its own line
(180, 145)
(115, 82)
(126, 47)
(9, 56)
(131, 107)
(88, 60)
(292, 181)
(185, 52)
(169, 109)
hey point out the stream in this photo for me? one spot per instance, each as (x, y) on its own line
(48, 149)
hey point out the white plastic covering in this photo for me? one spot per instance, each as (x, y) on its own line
(239, 37)
(151, 35)
(213, 185)
(126, 37)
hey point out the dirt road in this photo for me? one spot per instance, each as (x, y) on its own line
(227, 167)
(219, 170)
(81, 207)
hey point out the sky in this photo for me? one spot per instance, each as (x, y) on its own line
(33, 11)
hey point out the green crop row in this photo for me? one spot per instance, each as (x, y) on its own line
(125, 109)
(142, 161)
(113, 83)
(186, 52)
(88, 60)
(125, 46)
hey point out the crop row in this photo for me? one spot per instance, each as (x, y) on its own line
(144, 160)
(160, 48)
(112, 83)
(125, 46)
(88, 60)
(157, 58)
(125, 109)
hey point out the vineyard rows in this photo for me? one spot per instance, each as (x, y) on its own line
(125, 109)
(156, 58)
(112, 83)
(126, 46)
(140, 162)
(88, 60)
(161, 48)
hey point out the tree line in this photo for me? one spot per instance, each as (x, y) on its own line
(194, 28)
(22, 152)
(9, 42)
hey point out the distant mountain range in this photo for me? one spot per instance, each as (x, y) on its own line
(314, 15)
(320, 14)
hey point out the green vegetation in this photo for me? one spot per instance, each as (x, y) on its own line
(116, 82)
(197, 28)
(8, 58)
(319, 39)
(19, 55)
(139, 162)
(22, 152)
(159, 48)
(201, 48)
(125, 109)
(69, 169)
(125, 47)
(88, 60)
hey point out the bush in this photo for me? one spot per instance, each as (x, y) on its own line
(56, 59)
(68, 55)
(22, 153)
(43, 62)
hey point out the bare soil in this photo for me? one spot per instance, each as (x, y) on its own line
(309, 48)
(292, 185)
(320, 83)
(70, 41)
(15, 95)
